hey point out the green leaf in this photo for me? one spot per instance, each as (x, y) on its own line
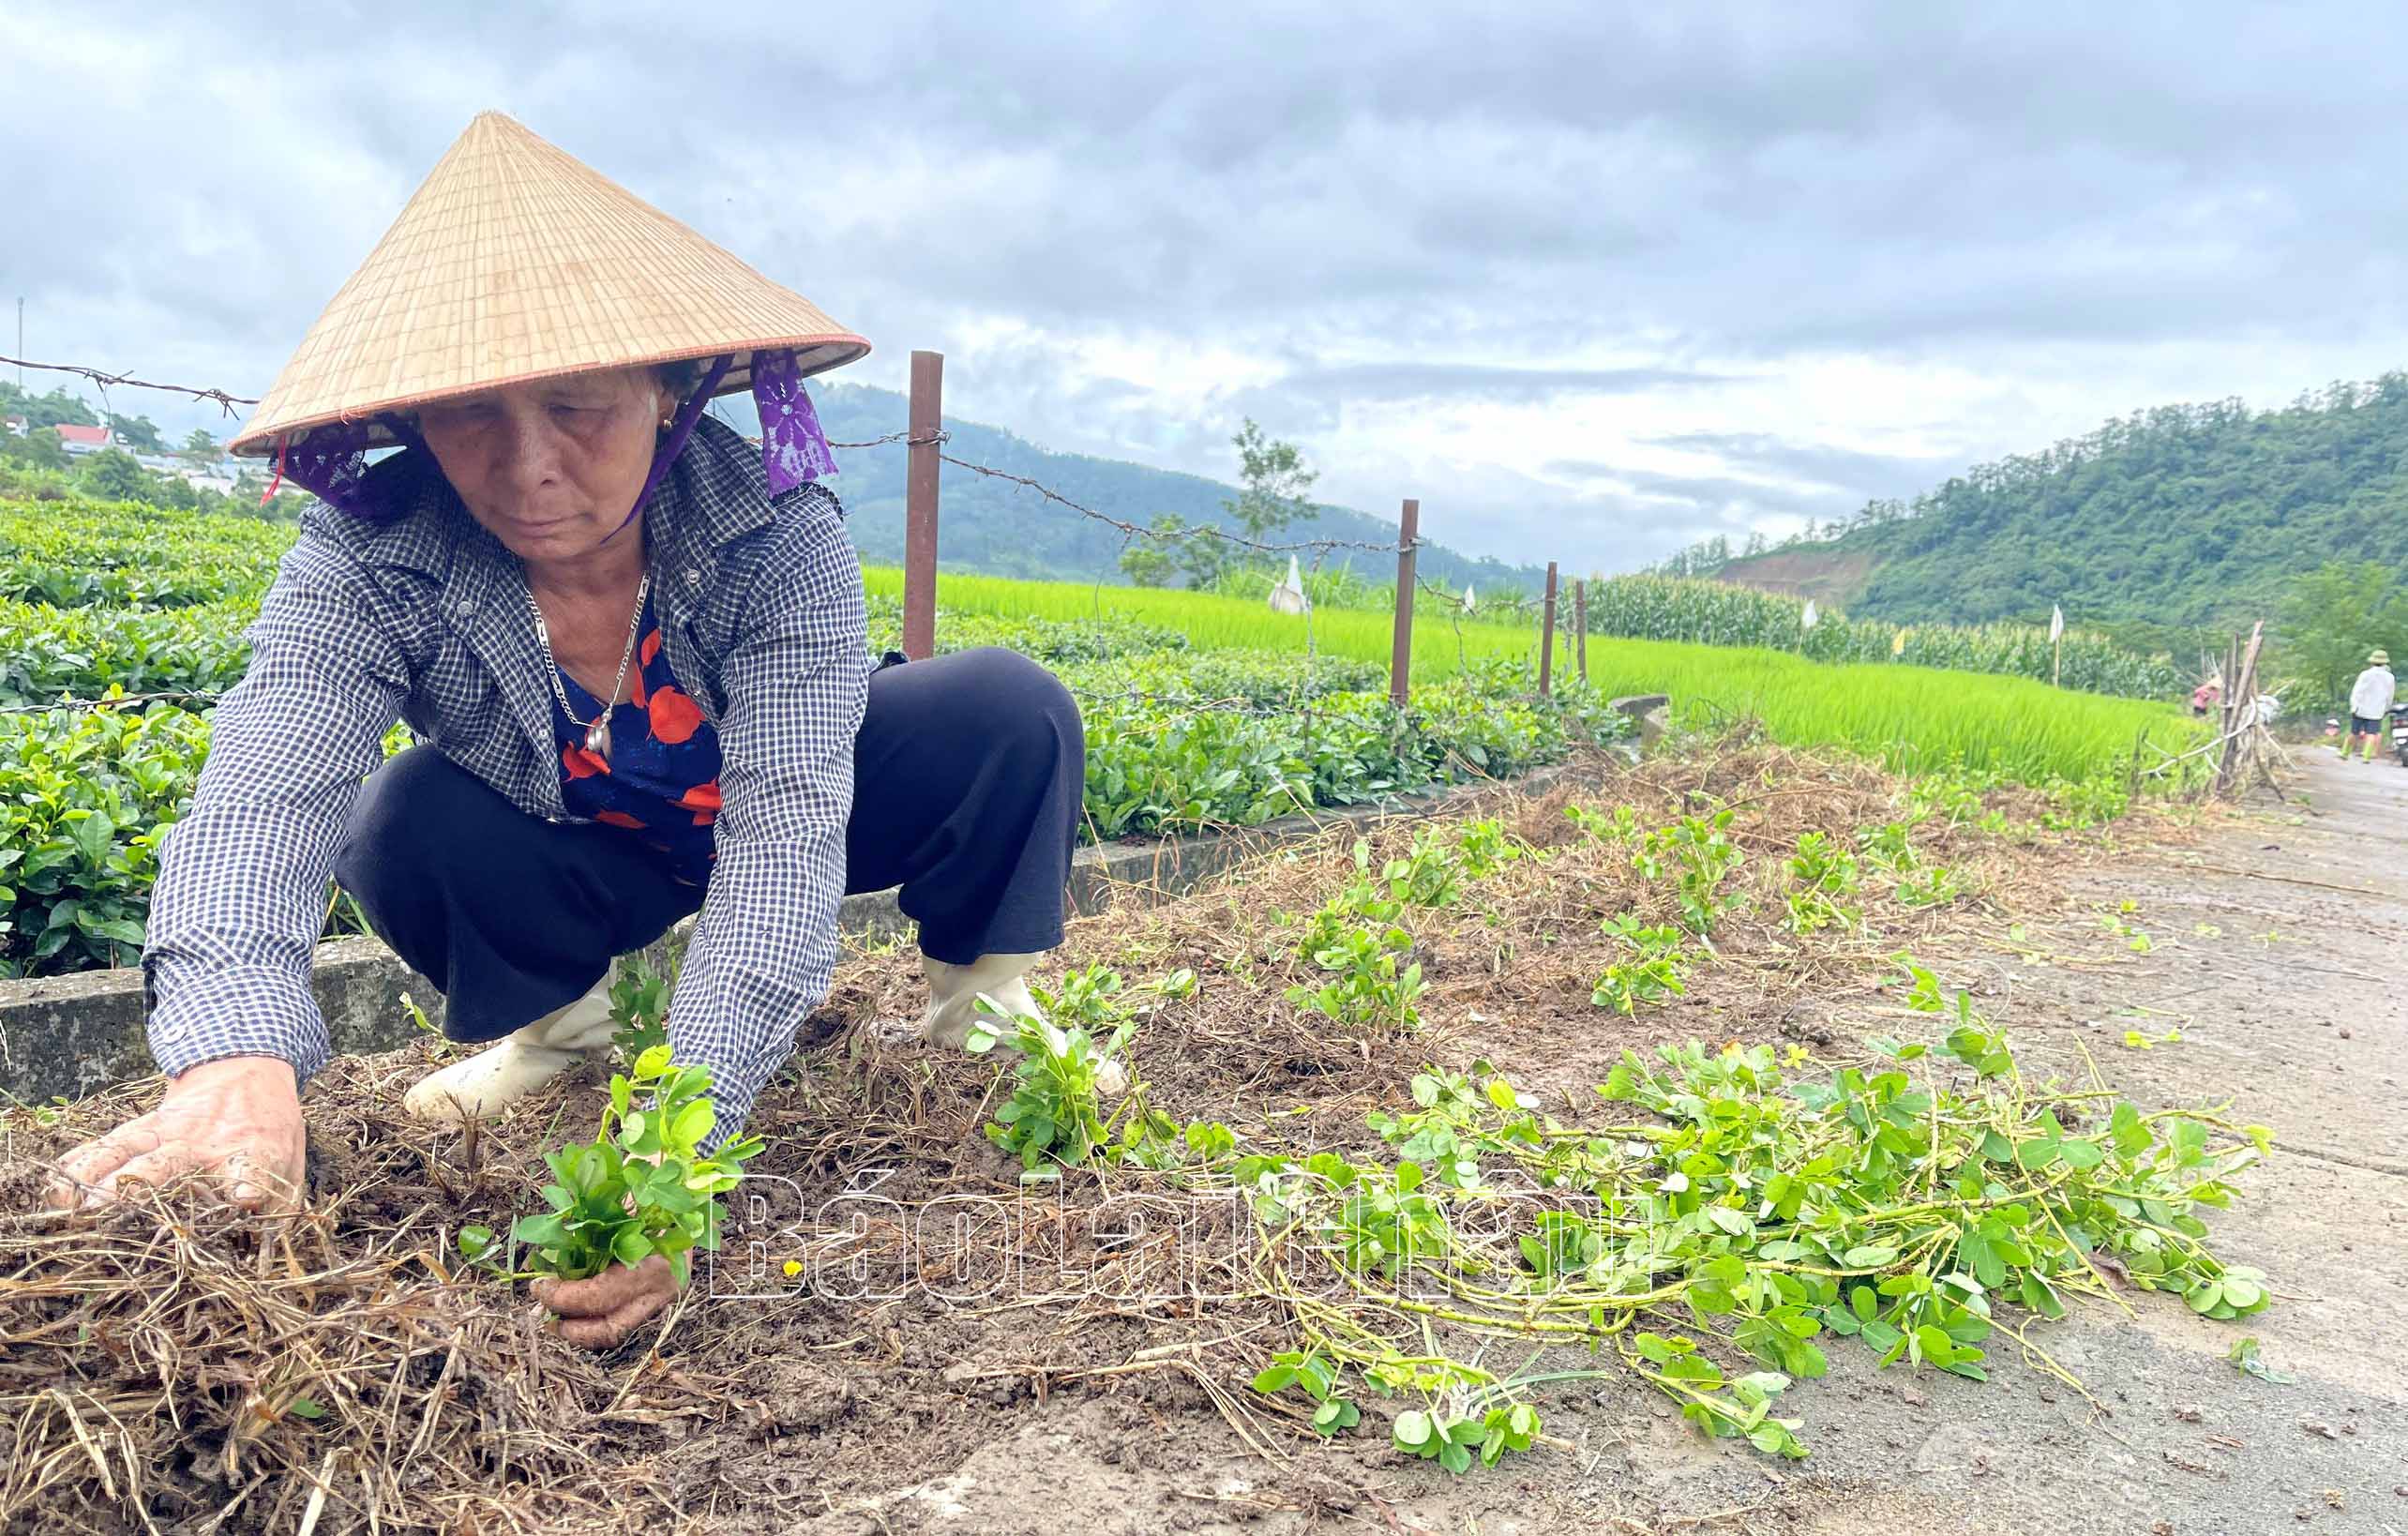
(1413, 1430)
(305, 1407)
(630, 1247)
(2082, 1156)
(2131, 1138)
(1871, 1256)
(545, 1231)
(1275, 1378)
(693, 1124)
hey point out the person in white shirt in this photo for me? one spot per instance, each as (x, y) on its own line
(2370, 703)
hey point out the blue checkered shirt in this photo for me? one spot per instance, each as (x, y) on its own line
(424, 619)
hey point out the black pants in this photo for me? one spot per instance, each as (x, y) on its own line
(968, 776)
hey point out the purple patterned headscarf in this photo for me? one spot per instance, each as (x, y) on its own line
(331, 462)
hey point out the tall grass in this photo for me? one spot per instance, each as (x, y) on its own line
(1913, 719)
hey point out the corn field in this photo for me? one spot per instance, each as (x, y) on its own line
(1715, 613)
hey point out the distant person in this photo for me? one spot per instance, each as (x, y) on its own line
(633, 644)
(2371, 699)
(2206, 696)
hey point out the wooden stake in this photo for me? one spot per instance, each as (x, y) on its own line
(1580, 627)
(1546, 640)
(1400, 656)
(920, 507)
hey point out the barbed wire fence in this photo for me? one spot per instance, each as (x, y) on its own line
(926, 445)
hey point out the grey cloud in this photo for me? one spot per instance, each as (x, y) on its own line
(1418, 380)
(1868, 475)
(1505, 192)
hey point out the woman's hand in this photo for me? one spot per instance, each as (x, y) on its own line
(600, 1313)
(238, 1118)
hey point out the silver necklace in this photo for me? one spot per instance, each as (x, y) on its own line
(597, 730)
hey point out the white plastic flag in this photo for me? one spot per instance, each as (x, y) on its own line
(1288, 596)
(2056, 624)
(1812, 615)
(1471, 604)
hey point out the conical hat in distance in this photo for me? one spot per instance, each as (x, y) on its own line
(514, 261)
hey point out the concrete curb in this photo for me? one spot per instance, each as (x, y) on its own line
(71, 1036)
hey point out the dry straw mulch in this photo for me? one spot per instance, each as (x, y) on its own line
(169, 1365)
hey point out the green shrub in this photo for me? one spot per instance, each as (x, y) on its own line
(50, 653)
(85, 799)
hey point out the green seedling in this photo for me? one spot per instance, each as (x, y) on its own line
(1824, 879)
(1306, 1368)
(1622, 827)
(1356, 940)
(1458, 1443)
(1658, 957)
(1697, 851)
(642, 1186)
(1053, 1117)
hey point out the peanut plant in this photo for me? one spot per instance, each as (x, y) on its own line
(1764, 1207)
(1054, 1115)
(1824, 879)
(1698, 852)
(641, 1186)
(1658, 954)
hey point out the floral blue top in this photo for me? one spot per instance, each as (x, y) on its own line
(662, 779)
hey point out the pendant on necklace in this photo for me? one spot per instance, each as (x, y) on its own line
(597, 736)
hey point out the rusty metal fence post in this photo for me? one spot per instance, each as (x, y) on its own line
(1580, 627)
(1546, 638)
(920, 507)
(1400, 658)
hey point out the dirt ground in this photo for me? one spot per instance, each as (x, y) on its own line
(2267, 936)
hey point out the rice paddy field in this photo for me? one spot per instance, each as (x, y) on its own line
(1914, 719)
(1201, 710)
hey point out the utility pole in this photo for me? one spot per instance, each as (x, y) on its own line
(21, 342)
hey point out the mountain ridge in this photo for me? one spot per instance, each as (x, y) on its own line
(996, 528)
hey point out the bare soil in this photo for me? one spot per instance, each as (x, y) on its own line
(908, 1382)
(1834, 576)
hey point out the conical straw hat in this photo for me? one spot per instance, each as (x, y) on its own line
(512, 261)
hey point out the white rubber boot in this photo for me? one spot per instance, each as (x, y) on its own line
(480, 1087)
(954, 989)
(952, 1005)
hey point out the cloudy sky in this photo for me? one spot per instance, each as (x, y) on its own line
(1590, 279)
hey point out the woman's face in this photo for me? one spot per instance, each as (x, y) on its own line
(550, 468)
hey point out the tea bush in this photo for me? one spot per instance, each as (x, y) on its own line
(85, 800)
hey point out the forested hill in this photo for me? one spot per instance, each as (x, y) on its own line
(1001, 529)
(2186, 515)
